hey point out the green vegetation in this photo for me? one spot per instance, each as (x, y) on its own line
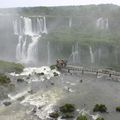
(100, 118)
(118, 109)
(54, 115)
(82, 117)
(67, 115)
(100, 108)
(4, 80)
(53, 67)
(67, 111)
(10, 67)
(67, 108)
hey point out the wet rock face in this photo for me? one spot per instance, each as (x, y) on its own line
(118, 109)
(7, 103)
(20, 80)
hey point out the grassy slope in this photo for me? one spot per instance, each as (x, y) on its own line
(10, 67)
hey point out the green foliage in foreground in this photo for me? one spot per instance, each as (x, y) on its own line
(100, 108)
(82, 117)
(67, 115)
(100, 119)
(118, 109)
(67, 111)
(10, 67)
(52, 67)
(67, 108)
(54, 115)
(4, 80)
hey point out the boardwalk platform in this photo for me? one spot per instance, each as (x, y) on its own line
(92, 70)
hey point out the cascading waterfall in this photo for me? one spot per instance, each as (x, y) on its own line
(99, 55)
(91, 55)
(48, 48)
(15, 27)
(70, 22)
(19, 48)
(75, 53)
(39, 26)
(106, 23)
(28, 26)
(44, 26)
(24, 54)
(32, 49)
(102, 23)
(27, 51)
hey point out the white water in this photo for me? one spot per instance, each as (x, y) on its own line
(102, 23)
(27, 51)
(19, 49)
(46, 100)
(32, 49)
(91, 55)
(48, 49)
(44, 26)
(15, 27)
(70, 22)
(75, 53)
(48, 73)
(24, 49)
(39, 26)
(17, 96)
(27, 26)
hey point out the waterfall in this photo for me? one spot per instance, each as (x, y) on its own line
(24, 49)
(15, 27)
(27, 26)
(29, 29)
(106, 23)
(44, 26)
(91, 55)
(99, 55)
(48, 48)
(102, 23)
(75, 53)
(70, 22)
(32, 49)
(39, 26)
(18, 48)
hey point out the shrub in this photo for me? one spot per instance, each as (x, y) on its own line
(82, 117)
(100, 108)
(118, 109)
(67, 115)
(4, 79)
(67, 108)
(100, 118)
(54, 115)
(53, 67)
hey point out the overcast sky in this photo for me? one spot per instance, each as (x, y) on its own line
(25, 3)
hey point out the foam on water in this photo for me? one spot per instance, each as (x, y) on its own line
(16, 96)
(45, 102)
(47, 72)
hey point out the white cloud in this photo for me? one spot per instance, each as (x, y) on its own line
(21, 3)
